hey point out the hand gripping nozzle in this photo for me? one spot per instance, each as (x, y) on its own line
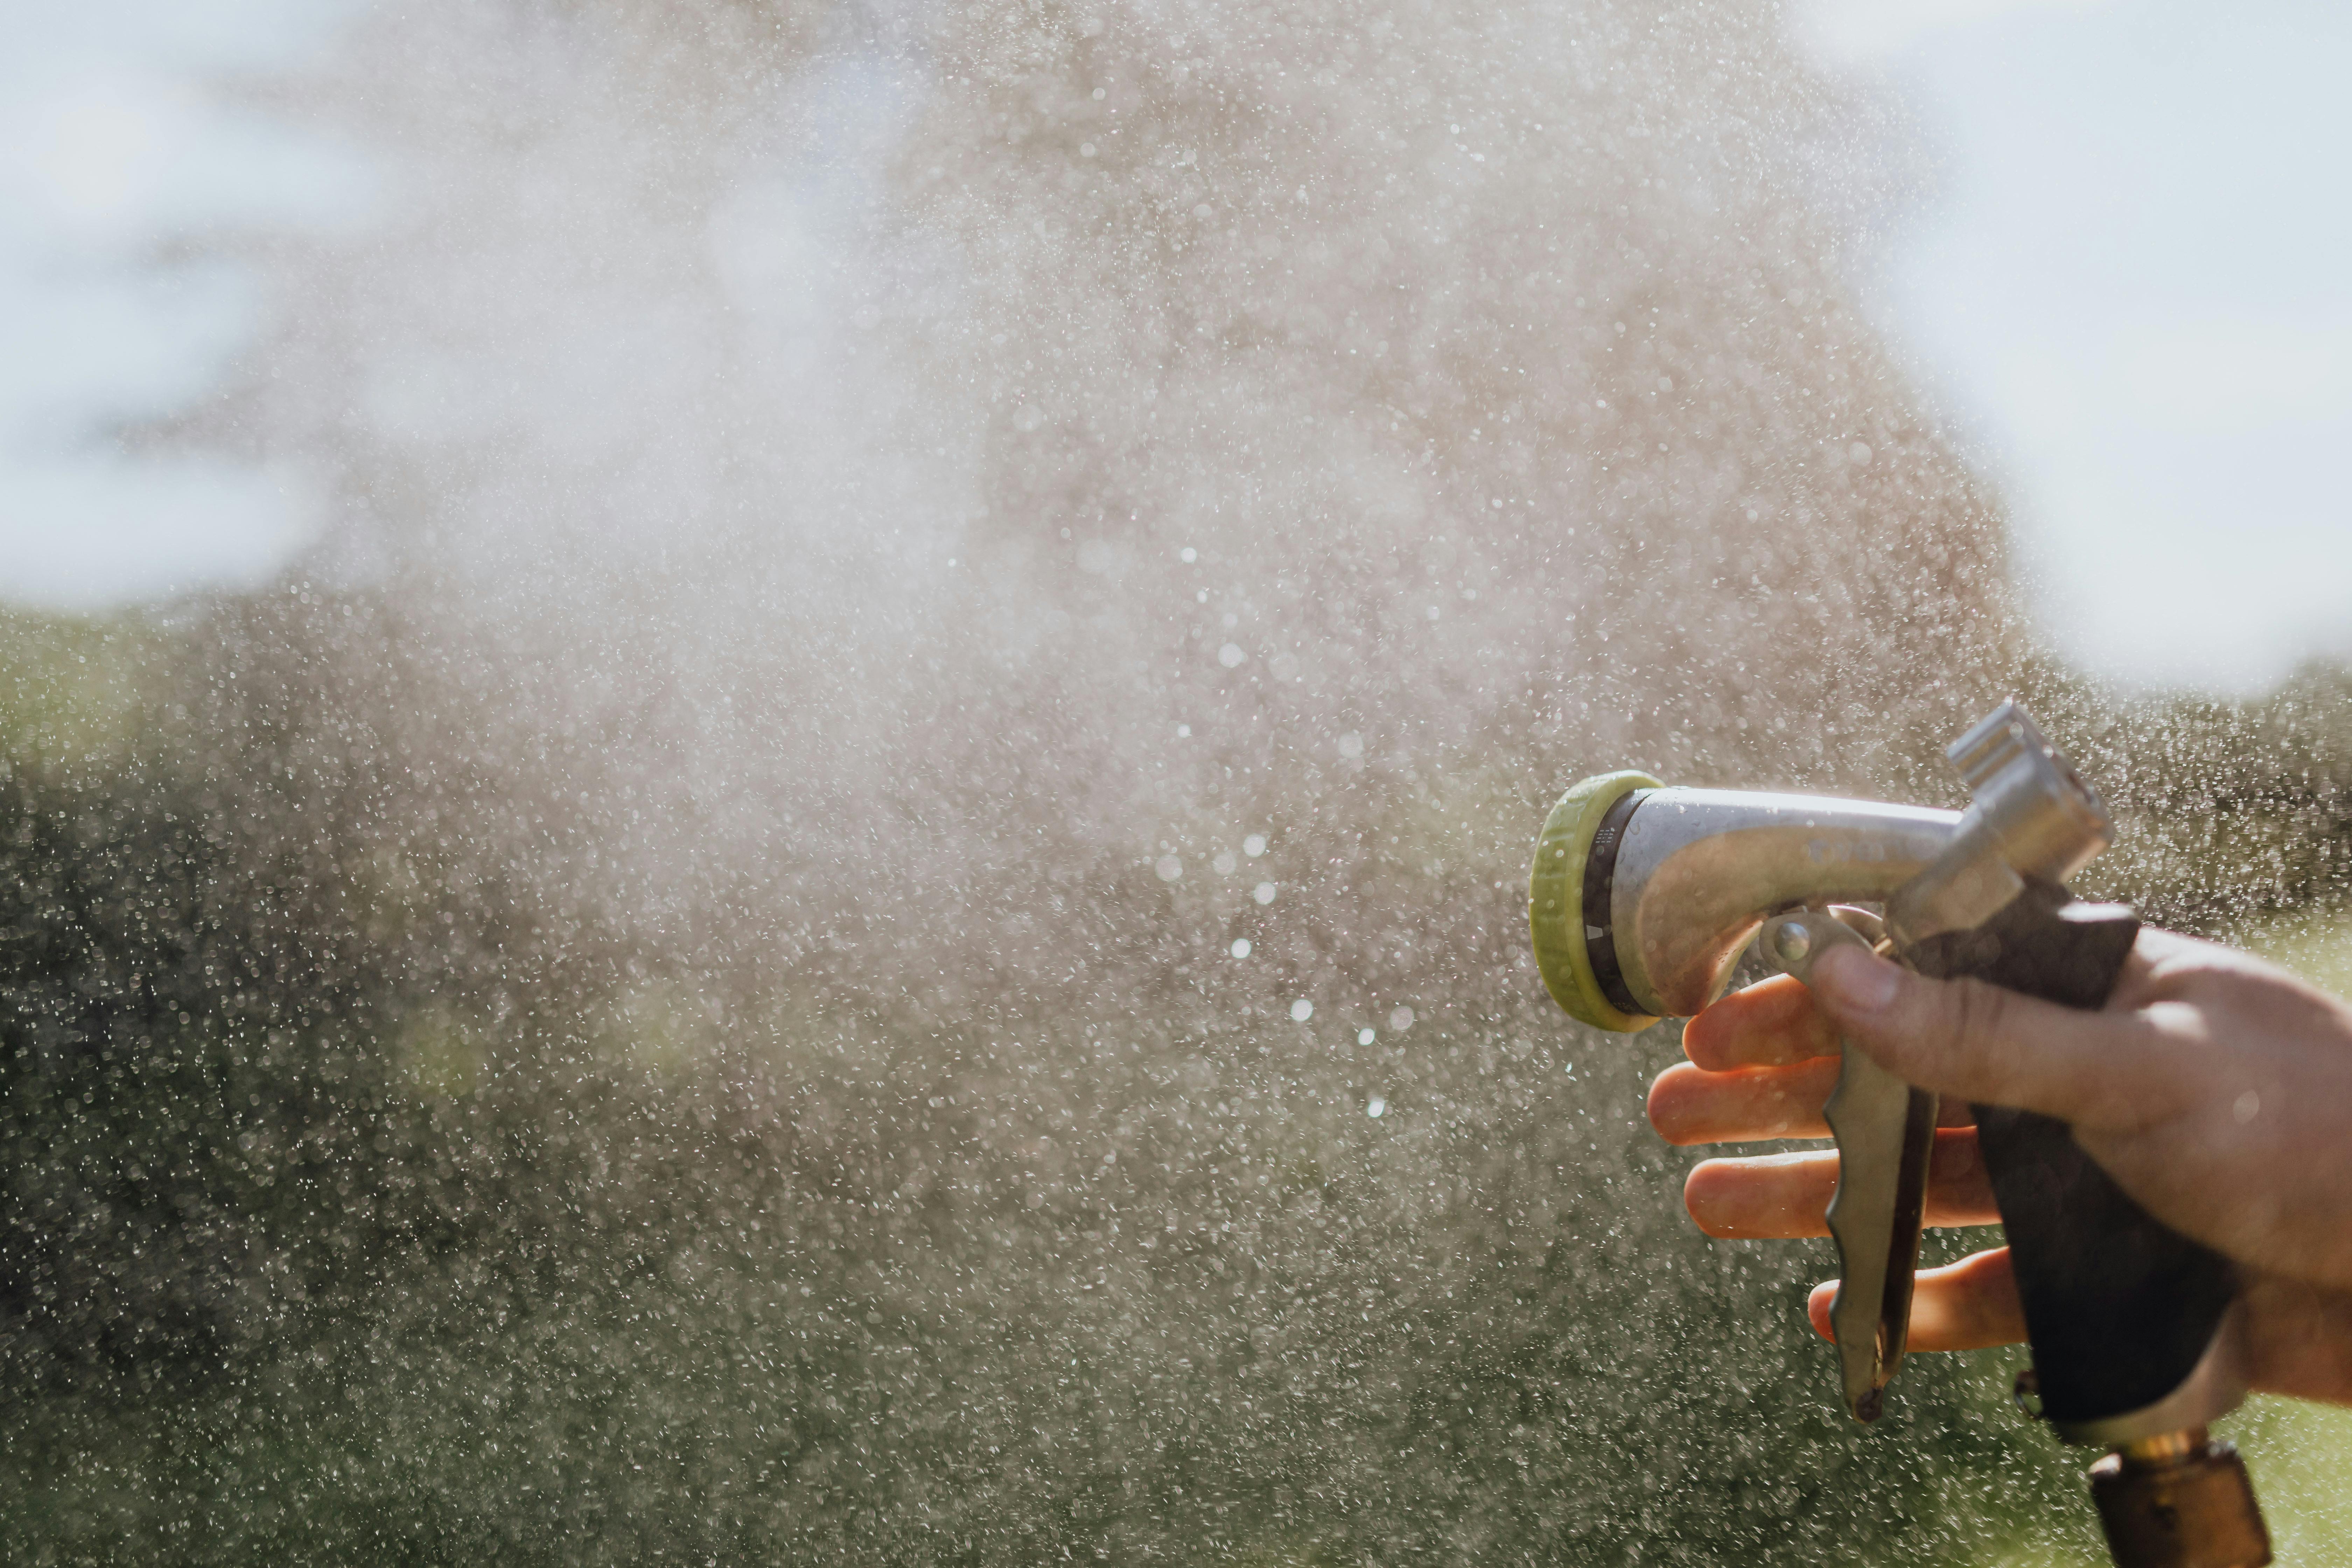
(2031, 820)
(2132, 1326)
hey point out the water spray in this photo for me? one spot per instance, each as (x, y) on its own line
(1644, 898)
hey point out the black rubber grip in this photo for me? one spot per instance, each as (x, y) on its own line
(2119, 1307)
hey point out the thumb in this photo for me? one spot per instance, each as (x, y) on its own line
(1967, 1038)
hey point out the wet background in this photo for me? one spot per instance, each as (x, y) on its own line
(862, 900)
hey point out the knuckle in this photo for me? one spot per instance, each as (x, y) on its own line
(1973, 1023)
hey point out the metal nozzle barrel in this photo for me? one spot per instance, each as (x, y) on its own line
(1642, 896)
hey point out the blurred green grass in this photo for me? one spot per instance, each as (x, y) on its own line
(328, 1239)
(2301, 1455)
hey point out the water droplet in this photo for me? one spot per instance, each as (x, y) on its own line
(1301, 1010)
(1254, 846)
(1352, 745)
(1169, 867)
(1183, 732)
(2249, 1105)
(1401, 1020)
(1188, 556)
(1377, 1107)
(1858, 454)
(1226, 861)
(1263, 892)
(1241, 947)
(1231, 655)
(1366, 1036)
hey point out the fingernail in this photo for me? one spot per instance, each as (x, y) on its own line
(1857, 981)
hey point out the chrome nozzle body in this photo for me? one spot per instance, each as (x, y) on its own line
(1695, 871)
(1698, 870)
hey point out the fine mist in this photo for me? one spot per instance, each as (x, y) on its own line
(867, 904)
(885, 453)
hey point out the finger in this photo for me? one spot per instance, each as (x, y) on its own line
(1770, 1024)
(2157, 957)
(1981, 1042)
(1779, 1197)
(1691, 1106)
(1966, 1307)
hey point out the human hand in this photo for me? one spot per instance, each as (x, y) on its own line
(2214, 1088)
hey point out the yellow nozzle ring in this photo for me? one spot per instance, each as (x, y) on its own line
(1556, 899)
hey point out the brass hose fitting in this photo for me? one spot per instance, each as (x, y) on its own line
(2180, 1499)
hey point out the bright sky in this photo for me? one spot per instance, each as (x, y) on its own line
(109, 148)
(2131, 295)
(2128, 296)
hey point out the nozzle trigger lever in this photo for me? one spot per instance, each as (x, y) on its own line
(1886, 1133)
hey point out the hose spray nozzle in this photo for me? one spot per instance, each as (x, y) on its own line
(1642, 900)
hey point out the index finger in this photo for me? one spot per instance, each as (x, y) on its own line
(1970, 1040)
(1773, 1023)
